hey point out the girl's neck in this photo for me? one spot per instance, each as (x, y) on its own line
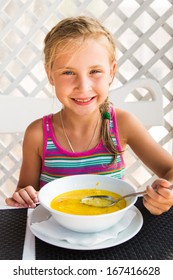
(79, 133)
(79, 123)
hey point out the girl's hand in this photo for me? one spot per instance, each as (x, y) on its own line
(25, 197)
(159, 197)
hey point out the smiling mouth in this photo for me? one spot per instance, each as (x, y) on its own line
(86, 100)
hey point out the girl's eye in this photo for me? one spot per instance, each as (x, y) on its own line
(68, 73)
(94, 71)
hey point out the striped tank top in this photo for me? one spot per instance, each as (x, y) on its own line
(57, 162)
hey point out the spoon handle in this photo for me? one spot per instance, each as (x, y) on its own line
(135, 194)
(142, 192)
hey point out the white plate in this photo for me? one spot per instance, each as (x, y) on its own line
(39, 214)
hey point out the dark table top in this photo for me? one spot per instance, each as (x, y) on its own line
(153, 242)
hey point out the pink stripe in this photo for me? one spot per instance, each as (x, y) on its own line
(44, 141)
(114, 119)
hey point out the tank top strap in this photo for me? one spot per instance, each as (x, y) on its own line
(47, 123)
(114, 127)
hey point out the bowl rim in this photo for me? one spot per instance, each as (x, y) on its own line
(134, 199)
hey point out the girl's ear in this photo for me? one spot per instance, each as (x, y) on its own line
(49, 75)
(112, 71)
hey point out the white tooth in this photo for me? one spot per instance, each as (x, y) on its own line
(83, 100)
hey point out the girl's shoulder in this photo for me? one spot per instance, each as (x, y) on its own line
(33, 137)
(125, 117)
(34, 131)
(35, 127)
(128, 124)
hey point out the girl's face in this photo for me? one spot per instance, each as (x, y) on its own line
(82, 77)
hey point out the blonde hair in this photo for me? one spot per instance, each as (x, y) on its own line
(63, 35)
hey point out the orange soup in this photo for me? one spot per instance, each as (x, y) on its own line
(70, 202)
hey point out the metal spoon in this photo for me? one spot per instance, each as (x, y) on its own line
(106, 201)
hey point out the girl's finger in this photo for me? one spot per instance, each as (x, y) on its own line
(23, 198)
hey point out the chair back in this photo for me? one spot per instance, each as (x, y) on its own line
(149, 112)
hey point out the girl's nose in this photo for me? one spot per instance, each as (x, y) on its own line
(83, 84)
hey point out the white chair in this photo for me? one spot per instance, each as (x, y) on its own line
(17, 112)
(150, 113)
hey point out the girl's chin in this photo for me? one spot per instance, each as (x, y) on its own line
(84, 111)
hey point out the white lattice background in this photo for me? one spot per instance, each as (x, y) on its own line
(143, 31)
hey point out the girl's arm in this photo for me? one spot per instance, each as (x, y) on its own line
(28, 185)
(159, 198)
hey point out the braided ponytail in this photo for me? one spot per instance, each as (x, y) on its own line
(105, 130)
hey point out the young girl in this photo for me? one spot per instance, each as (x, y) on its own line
(88, 135)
